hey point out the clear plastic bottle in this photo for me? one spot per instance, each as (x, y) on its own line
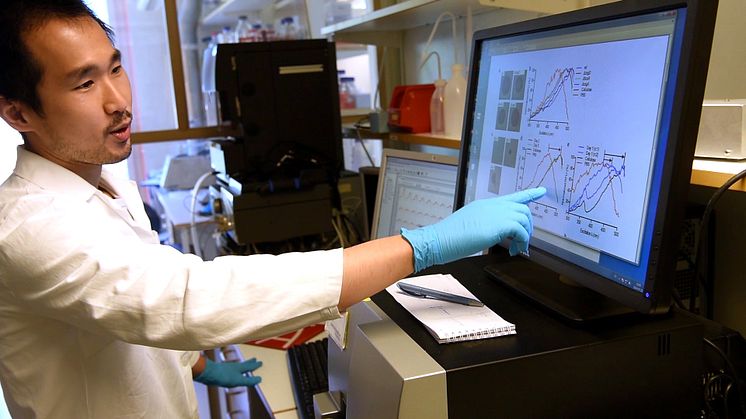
(256, 30)
(437, 120)
(347, 93)
(209, 96)
(269, 34)
(227, 35)
(242, 32)
(455, 99)
(289, 30)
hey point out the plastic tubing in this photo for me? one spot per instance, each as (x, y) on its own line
(193, 208)
(427, 57)
(432, 34)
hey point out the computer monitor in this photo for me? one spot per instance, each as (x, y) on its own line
(601, 106)
(414, 189)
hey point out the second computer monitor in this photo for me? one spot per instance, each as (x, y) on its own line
(414, 189)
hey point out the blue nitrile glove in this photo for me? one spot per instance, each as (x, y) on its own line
(229, 374)
(477, 226)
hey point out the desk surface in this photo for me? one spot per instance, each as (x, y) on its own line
(539, 331)
(275, 383)
(716, 172)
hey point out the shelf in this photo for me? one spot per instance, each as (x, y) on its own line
(405, 15)
(228, 12)
(404, 137)
(714, 173)
(414, 13)
(426, 139)
(358, 113)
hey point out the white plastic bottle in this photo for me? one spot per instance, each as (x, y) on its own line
(437, 120)
(455, 99)
(291, 29)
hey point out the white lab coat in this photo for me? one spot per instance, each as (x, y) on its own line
(88, 296)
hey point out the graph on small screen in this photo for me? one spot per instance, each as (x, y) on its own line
(415, 189)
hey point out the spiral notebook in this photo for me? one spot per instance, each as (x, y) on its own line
(451, 322)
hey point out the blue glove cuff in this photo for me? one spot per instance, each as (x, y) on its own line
(205, 377)
(425, 247)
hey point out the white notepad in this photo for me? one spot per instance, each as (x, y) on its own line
(451, 322)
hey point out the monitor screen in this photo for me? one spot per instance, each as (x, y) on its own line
(414, 189)
(600, 106)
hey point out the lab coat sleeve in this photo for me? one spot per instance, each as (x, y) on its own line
(99, 276)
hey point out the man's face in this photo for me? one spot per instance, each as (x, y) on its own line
(85, 95)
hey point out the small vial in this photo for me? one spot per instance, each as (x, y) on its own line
(347, 93)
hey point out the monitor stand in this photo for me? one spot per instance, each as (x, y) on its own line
(548, 288)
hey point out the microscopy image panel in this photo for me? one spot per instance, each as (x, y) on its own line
(502, 116)
(494, 183)
(506, 85)
(514, 119)
(498, 148)
(519, 85)
(511, 151)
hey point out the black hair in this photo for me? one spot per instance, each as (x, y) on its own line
(20, 73)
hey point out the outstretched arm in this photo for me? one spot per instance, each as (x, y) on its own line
(372, 266)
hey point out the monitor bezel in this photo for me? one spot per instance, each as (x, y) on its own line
(681, 140)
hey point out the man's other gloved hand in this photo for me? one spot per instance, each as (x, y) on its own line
(477, 226)
(229, 374)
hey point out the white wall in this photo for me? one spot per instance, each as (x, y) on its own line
(9, 140)
(416, 39)
(726, 78)
(4, 414)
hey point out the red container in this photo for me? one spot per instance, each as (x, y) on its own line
(409, 110)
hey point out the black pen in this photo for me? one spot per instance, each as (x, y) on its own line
(437, 295)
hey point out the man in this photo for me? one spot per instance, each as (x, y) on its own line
(94, 312)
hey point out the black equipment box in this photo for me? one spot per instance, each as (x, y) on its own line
(279, 215)
(630, 366)
(284, 96)
(277, 177)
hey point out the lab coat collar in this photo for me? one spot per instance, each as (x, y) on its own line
(51, 176)
(127, 191)
(55, 178)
